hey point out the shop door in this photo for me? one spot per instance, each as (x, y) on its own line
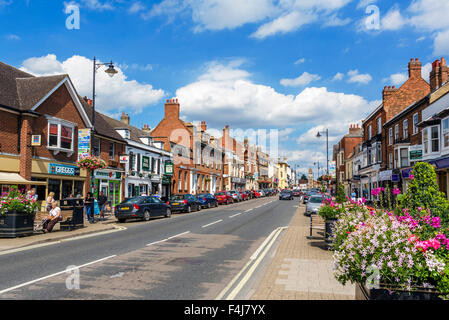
(114, 193)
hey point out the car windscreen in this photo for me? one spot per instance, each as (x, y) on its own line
(316, 200)
(177, 198)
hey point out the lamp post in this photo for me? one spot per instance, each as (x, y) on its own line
(327, 152)
(317, 163)
(111, 72)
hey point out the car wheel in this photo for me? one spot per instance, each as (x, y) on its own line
(189, 209)
(146, 215)
(208, 205)
(199, 207)
(168, 213)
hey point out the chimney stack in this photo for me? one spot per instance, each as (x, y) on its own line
(172, 109)
(439, 74)
(125, 118)
(414, 69)
(88, 101)
(146, 129)
(203, 126)
(388, 92)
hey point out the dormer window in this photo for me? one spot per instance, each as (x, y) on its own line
(124, 133)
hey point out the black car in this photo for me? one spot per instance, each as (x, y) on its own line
(144, 208)
(286, 195)
(207, 200)
(184, 203)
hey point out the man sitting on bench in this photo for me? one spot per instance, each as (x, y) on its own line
(54, 217)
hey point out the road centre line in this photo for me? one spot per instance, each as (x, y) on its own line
(164, 240)
(207, 225)
(55, 274)
(235, 215)
(249, 210)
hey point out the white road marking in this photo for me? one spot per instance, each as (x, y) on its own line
(252, 258)
(55, 274)
(156, 242)
(235, 215)
(118, 275)
(249, 210)
(208, 225)
(250, 272)
(178, 235)
(29, 247)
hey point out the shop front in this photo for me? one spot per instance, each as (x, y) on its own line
(110, 183)
(238, 183)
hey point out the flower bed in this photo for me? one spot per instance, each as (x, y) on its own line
(406, 250)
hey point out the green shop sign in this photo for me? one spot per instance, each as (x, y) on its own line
(169, 168)
(145, 163)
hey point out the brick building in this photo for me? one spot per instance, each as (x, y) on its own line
(197, 156)
(49, 111)
(344, 149)
(374, 148)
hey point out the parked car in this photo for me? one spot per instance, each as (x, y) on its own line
(296, 192)
(184, 203)
(314, 204)
(249, 195)
(286, 195)
(236, 196)
(257, 194)
(245, 196)
(262, 194)
(144, 208)
(207, 200)
(224, 197)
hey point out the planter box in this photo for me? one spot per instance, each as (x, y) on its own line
(329, 223)
(16, 224)
(363, 293)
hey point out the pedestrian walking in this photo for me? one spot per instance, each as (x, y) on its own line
(102, 200)
(89, 207)
(55, 215)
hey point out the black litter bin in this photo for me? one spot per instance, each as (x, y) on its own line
(73, 209)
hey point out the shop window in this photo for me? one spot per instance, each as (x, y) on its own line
(78, 189)
(55, 186)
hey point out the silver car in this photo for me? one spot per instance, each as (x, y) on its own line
(314, 204)
(237, 196)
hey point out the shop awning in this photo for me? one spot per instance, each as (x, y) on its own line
(16, 179)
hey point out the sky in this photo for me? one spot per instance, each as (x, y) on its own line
(296, 66)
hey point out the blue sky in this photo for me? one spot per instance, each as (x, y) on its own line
(294, 65)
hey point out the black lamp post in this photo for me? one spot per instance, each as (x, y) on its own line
(327, 152)
(111, 72)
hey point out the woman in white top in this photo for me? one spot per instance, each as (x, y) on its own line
(50, 199)
(54, 217)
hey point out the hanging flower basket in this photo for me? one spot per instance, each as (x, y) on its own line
(91, 163)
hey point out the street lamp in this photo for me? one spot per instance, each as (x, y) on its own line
(110, 71)
(327, 152)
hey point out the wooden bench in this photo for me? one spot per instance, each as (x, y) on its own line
(317, 223)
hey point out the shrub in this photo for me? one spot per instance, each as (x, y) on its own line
(341, 196)
(423, 194)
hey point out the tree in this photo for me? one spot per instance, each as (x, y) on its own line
(303, 177)
(341, 196)
(423, 193)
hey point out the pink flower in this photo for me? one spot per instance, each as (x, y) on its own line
(412, 238)
(412, 177)
(396, 191)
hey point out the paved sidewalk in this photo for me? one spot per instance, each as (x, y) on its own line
(301, 268)
(57, 234)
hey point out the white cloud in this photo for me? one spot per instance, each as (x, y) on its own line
(284, 134)
(356, 77)
(300, 61)
(303, 80)
(13, 37)
(338, 76)
(113, 94)
(228, 90)
(393, 20)
(441, 43)
(397, 79)
(283, 15)
(136, 7)
(365, 3)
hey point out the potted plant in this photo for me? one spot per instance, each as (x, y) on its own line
(91, 163)
(17, 214)
(330, 212)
